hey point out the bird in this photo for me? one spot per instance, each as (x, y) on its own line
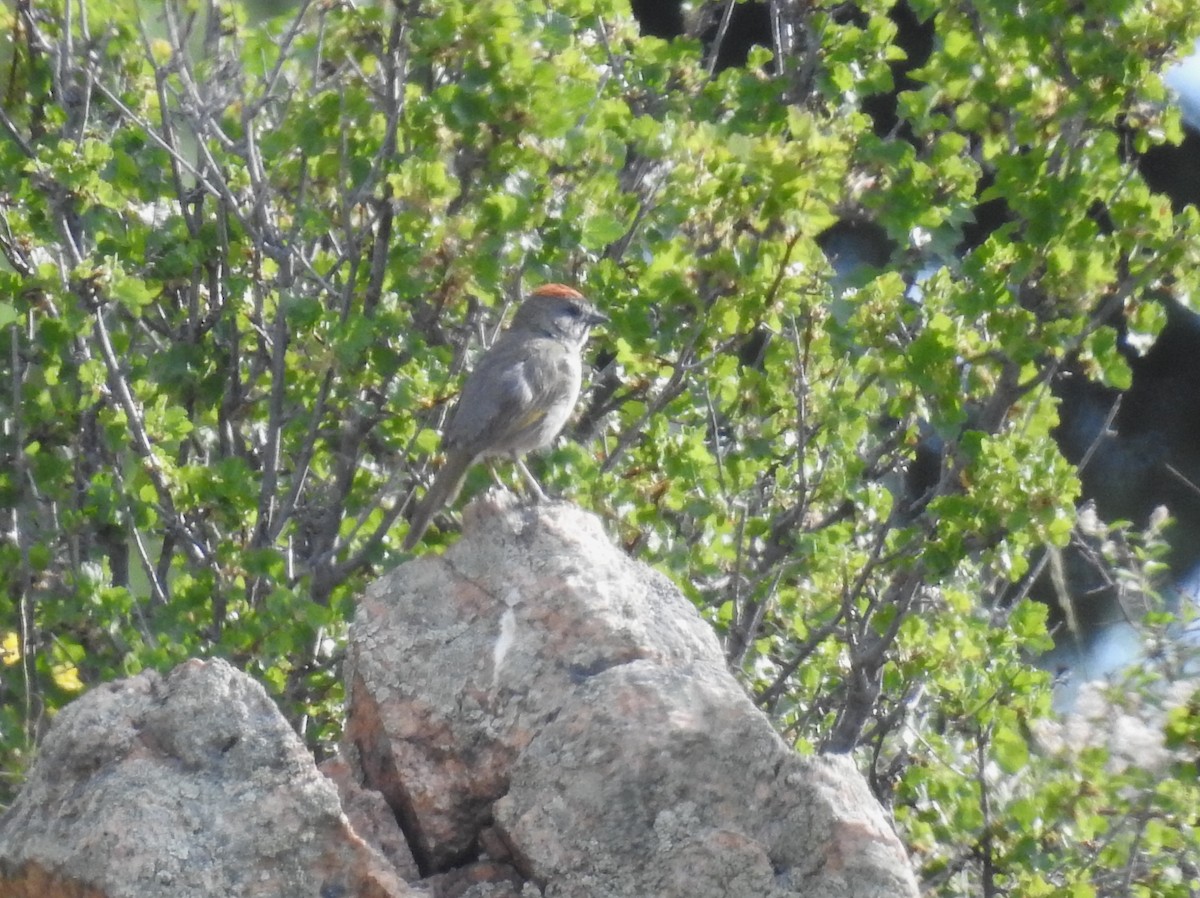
(517, 398)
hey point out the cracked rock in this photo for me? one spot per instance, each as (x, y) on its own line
(535, 696)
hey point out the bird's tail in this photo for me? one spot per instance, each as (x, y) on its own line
(443, 491)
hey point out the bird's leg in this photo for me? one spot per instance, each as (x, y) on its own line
(491, 470)
(534, 486)
(496, 477)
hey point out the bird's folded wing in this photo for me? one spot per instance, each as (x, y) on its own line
(510, 390)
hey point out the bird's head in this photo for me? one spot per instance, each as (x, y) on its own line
(559, 311)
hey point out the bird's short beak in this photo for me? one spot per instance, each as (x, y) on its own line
(595, 318)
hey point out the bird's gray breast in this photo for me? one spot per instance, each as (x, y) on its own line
(518, 398)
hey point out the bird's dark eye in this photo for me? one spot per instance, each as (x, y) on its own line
(574, 311)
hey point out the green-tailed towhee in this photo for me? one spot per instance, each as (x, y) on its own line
(518, 397)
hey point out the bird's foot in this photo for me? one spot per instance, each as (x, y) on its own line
(535, 490)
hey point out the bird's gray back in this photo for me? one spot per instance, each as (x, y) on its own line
(517, 398)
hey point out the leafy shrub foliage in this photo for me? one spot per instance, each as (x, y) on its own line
(245, 263)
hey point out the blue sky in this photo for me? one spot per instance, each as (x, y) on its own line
(1184, 80)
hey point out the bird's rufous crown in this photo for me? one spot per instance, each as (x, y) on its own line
(562, 291)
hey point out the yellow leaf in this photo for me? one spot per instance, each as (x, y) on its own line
(10, 649)
(66, 676)
(161, 50)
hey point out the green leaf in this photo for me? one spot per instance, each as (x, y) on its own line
(602, 229)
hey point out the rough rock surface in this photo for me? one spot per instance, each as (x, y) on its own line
(456, 662)
(665, 781)
(535, 695)
(371, 817)
(189, 785)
